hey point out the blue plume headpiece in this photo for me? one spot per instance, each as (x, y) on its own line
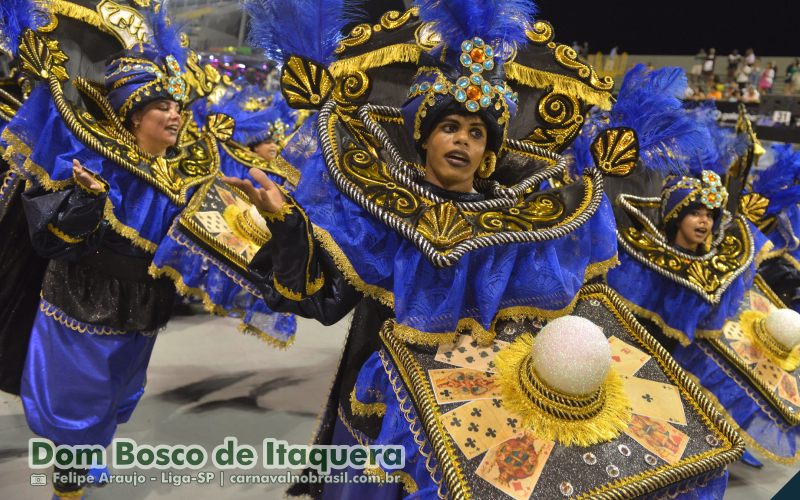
(15, 17)
(650, 103)
(466, 69)
(306, 28)
(724, 144)
(259, 115)
(167, 37)
(780, 181)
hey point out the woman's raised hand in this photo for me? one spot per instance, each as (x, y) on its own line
(83, 176)
(267, 198)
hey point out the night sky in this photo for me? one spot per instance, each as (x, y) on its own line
(771, 27)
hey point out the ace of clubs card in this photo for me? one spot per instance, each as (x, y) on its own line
(654, 399)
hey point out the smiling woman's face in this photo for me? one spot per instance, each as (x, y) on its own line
(453, 152)
(156, 125)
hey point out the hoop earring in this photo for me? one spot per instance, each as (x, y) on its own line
(487, 165)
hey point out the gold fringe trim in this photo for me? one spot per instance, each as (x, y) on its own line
(61, 235)
(668, 330)
(382, 295)
(187, 291)
(561, 84)
(127, 231)
(280, 215)
(611, 421)
(749, 441)
(748, 321)
(251, 330)
(398, 53)
(73, 324)
(291, 173)
(286, 292)
(211, 307)
(600, 268)
(366, 409)
(409, 485)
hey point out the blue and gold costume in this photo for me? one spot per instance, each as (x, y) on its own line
(118, 254)
(423, 267)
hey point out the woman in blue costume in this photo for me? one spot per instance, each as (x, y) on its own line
(340, 242)
(102, 204)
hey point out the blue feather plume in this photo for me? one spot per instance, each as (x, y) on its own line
(498, 22)
(724, 145)
(252, 125)
(780, 181)
(650, 102)
(166, 35)
(15, 17)
(307, 28)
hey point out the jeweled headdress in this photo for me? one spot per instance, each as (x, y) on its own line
(467, 66)
(140, 77)
(680, 192)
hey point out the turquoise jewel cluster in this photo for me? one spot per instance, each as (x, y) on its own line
(713, 193)
(175, 84)
(473, 90)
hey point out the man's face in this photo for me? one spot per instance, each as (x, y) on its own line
(454, 150)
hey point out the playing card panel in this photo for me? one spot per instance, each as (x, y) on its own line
(452, 385)
(212, 220)
(565, 467)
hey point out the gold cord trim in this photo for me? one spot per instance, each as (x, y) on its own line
(766, 252)
(753, 325)
(561, 84)
(63, 236)
(398, 53)
(450, 469)
(583, 423)
(366, 409)
(668, 330)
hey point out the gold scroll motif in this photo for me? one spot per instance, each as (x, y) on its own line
(568, 58)
(562, 116)
(362, 33)
(541, 33)
(125, 23)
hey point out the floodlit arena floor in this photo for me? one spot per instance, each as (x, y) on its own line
(207, 381)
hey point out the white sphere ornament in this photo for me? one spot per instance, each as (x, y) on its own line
(571, 355)
(784, 326)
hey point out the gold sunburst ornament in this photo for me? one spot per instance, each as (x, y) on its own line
(569, 395)
(444, 226)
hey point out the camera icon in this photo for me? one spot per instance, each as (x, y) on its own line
(38, 479)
